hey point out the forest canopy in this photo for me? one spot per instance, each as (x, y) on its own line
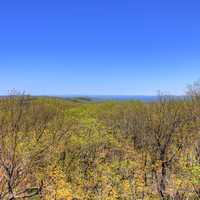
(56, 149)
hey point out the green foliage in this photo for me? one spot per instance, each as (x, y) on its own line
(52, 148)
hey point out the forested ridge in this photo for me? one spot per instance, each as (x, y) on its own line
(55, 149)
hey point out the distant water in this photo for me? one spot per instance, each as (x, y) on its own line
(113, 97)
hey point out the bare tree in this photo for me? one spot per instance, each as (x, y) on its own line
(28, 130)
(168, 125)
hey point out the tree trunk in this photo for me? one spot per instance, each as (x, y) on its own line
(11, 195)
(163, 176)
(163, 181)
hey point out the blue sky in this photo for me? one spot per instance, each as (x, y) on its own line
(99, 46)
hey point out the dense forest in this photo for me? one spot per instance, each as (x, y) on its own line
(56, 149)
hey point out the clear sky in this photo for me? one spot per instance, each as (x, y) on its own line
(99, 46)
